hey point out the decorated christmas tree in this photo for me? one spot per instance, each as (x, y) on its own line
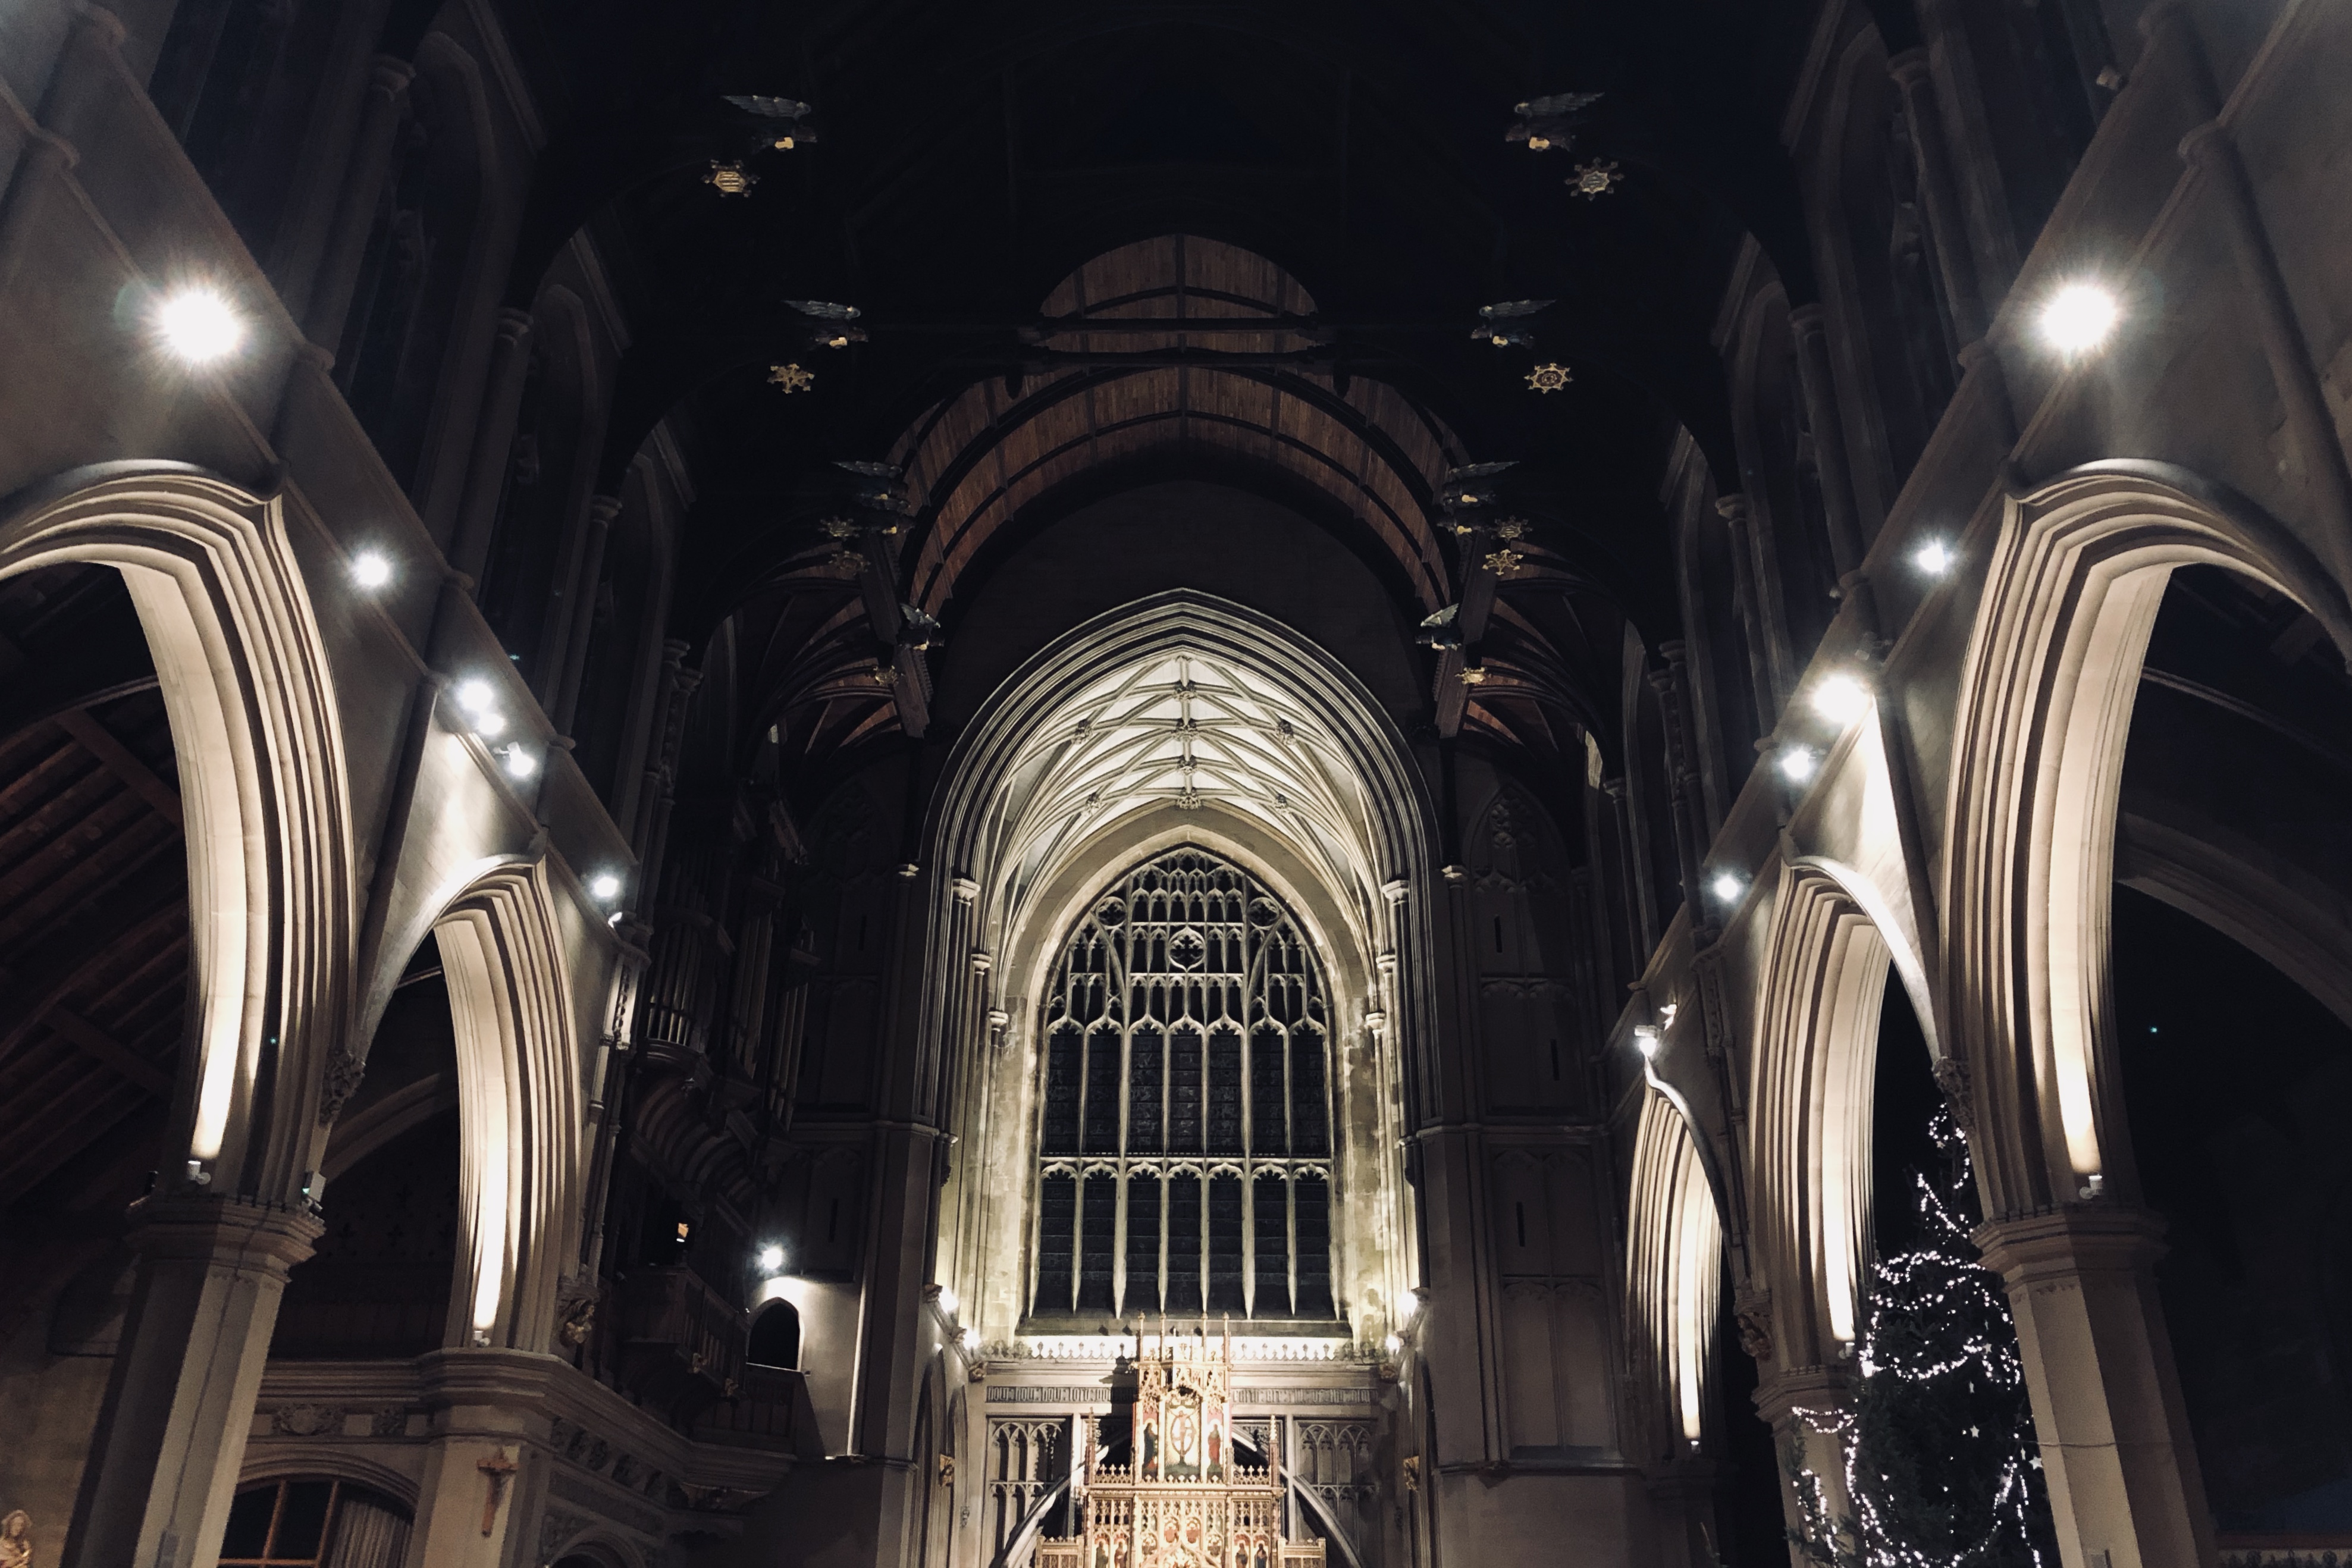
(1942, 1466)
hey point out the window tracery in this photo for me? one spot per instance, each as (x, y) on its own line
(1185, 1136)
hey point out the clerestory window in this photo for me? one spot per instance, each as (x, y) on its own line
(1186, 1140)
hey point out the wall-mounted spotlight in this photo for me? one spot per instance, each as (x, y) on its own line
(1934, 558)
(947, 1302)
(1646, 1040)
(198, 326)
(1840, 699)
(371, 568)
(2078, 318)
(520, 763)
(969, 1340)
(479, 703)
(771, 1260)
(1726, 886)
(604, 885)
(1797, 763)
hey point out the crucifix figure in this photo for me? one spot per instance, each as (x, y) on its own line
(498, 1468)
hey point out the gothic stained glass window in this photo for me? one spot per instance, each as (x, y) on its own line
(1184, 1136)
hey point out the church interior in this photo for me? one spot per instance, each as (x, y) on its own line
(1157, 784)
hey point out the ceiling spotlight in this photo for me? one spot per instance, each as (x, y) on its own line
(1726, 885)
(771, 1260)
(606, 885)
(1645, 1040)
(370, 569)
(520, 763)
(199, 326)
(1797, 766)
(1840, 699)
(2078, 318)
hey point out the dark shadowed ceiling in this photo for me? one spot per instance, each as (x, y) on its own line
(987, 175)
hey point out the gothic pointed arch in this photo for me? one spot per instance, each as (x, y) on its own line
(2044, 708)
(1674, 1269)
(1180, 723)
(521, 1103)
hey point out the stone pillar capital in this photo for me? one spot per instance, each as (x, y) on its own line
(2066, 1242)
(486, 1377)
(1734, 508)
(1807, 1394)
(391, 75)
(198, 1228)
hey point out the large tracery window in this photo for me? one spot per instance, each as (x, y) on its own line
(1184, 1157)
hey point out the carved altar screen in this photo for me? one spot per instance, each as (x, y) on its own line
(1185, 1138)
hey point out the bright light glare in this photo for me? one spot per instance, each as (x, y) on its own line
(1645, 1040)
(474, 696)
(520, 763)
(2079, 317)
(604, 885)
(1840, 699)
(1725, 887)
(1934, 558)
(968, 1338)
(1406, 1307)
(370, 569)
(1797, 763)
(947, 1302)
(1393, 1343)
(199, 326)
(772, 1258)
(492, 723)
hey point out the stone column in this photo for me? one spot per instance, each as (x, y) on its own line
(1640, 934)
(485, 1474)
(1681, 758)
(1806, 1407)
(2211, 151)
(1807, 325)
(601, 510)
(1947, 230)
(1974, 165)
(1683, 1496)
(171, 1436)
(1747, 587)
(356, 212)
(2123, 1486)
(486, 477)
(1661, 682)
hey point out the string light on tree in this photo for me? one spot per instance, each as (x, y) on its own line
(1942, 1465)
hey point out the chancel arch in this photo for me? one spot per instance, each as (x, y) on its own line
(1198, 742)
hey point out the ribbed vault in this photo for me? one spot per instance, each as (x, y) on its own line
(1188, 727)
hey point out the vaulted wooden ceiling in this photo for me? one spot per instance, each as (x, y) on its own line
(986, 174)
(93, 890)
